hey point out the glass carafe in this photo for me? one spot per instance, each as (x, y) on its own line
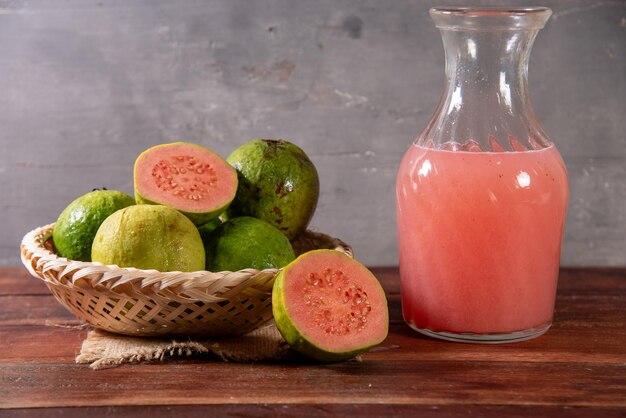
(482, 192)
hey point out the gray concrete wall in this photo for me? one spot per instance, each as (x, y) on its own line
(85, 86)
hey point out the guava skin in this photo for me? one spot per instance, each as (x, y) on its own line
(277, 183)
(247, 242)
(295, 337)
(77, 225)
(149, 237)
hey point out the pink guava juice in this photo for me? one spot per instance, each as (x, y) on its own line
(480, 239)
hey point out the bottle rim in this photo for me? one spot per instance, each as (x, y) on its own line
(490, 17)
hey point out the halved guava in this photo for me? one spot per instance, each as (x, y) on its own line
(149, 237)
(329, 306)
(187, 177)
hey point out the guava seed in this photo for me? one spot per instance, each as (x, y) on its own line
(351, 306)
(165, 174)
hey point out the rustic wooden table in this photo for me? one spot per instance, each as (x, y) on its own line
(577, 369)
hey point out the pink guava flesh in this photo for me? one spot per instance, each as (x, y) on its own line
(335, 302)
(184, 176)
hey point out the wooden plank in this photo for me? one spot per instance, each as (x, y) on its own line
(592, 280)
(18, 281)
(37, 344)
(371, 381)
(34, 344)
(389, 278)
(321, 411)
(34, 310)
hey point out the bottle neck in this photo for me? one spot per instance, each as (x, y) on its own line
(488, 65)
(485, 105)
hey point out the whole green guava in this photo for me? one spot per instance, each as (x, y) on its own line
(247, 242)
(77, 225)
(277, 183)
(149, 237)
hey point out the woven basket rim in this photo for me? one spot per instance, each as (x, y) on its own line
(201, 285)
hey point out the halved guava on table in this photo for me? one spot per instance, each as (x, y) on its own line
(329, 306)
(187, 177)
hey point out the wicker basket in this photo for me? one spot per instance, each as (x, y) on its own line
(152, 303)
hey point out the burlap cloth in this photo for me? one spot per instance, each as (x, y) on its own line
(103, 350)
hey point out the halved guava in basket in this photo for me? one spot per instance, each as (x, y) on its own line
(187, 177)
